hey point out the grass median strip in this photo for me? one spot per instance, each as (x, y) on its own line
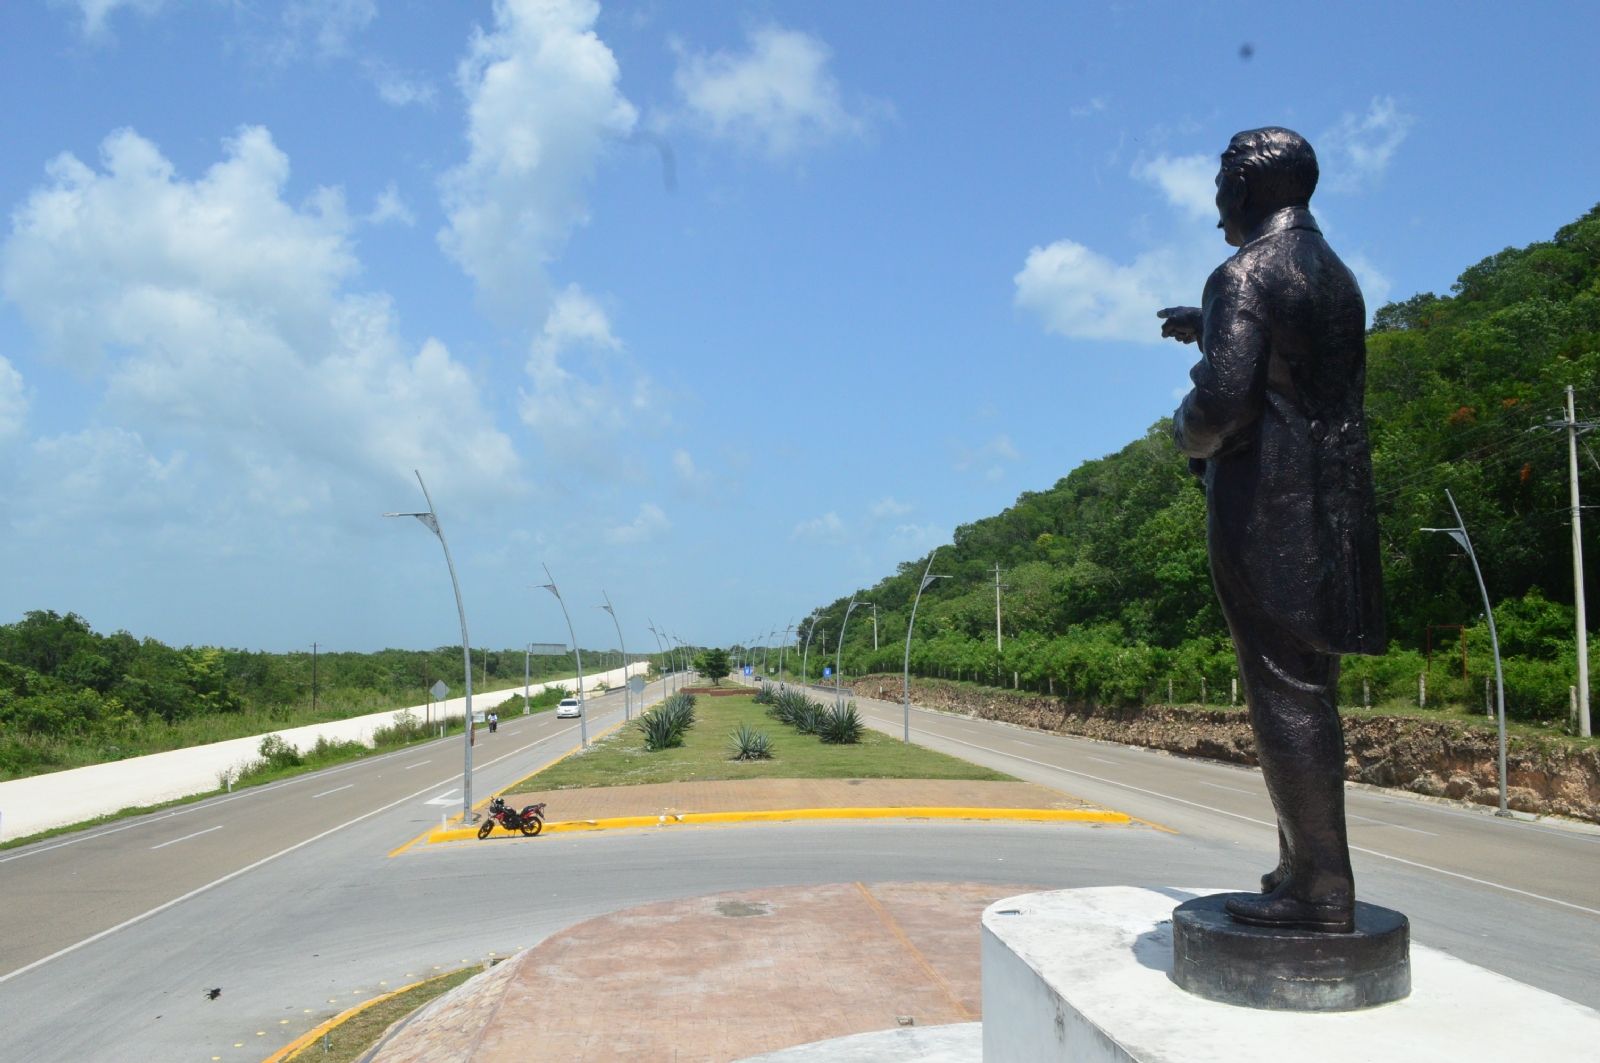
(621, 759)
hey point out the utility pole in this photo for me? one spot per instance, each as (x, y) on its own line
(999, 640)
(314, 679)
(1577, 568)
(874, 627)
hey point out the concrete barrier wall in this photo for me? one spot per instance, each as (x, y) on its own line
(60, 798)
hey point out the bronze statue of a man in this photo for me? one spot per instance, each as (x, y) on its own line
(1275, 426)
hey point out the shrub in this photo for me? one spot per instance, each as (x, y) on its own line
(681, 707)
(840, 725)
(277, 753)
(764, 695)
(661, 729)
(747, 743)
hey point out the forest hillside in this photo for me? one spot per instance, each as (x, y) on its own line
(1107, 594)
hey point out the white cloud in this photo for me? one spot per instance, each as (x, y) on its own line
(215, 312)
(398, 90)
(542, 97)
(14, 401)
(1356, 152)
(579, 411)
(1189, 182)
(691, 478)
(390, 207)
(1375, 287)
(778, 97)
(650, 524)
(918, 538)
(826, 528)
(329, 23)
(1081, 293)
(989, 459)
(97, 13)
(889, 507)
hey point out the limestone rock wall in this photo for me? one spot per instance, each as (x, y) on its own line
(1440, 758)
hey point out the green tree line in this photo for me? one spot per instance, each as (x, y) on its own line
(1107, 594)
(70, 695)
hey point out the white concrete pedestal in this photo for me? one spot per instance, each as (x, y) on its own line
(1086, 975)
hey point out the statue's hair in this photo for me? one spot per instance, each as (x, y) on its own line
(1278, 164)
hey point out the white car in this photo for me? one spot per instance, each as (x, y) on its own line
(569, 709)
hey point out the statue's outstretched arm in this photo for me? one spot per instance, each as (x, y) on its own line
(1231, 377)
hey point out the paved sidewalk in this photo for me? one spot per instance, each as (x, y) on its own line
(764, 795)
(720, 978)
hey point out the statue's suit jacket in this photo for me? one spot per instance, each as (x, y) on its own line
(1276, 414)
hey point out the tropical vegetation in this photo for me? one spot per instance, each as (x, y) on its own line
(1106, 594)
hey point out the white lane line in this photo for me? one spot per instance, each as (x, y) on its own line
(1271, 826)
(82, 838)
(418, 764)
(186, 837)
(1235, 789)
(335, 790)
(229, 877)
(1386, 823)
(1113, 763)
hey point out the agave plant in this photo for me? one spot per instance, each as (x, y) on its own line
(747, 743)
(840, 726)
(765, 694)
(661, 729)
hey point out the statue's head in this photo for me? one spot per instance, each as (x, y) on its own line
(1263, 170)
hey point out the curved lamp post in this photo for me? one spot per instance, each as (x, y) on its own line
(805, 655)
(1459, 534)
(910, 626)
(666, 683)
(430, 520)
(782, 646)
(577, 654)
(838, 651)
(627, 695)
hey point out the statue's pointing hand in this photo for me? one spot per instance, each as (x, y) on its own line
(1181, 323)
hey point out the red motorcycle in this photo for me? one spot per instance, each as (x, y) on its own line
(530, 821)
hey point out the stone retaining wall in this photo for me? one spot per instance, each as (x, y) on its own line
(1440, 758)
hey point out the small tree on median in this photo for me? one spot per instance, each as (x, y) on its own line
(713, 664)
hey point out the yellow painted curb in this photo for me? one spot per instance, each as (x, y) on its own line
(311, 1035)
(466, 832)
(1025, 815)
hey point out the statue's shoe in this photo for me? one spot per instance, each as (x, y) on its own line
(1273, 879)
(1282, 912)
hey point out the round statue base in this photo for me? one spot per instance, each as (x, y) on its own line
(1290, 970)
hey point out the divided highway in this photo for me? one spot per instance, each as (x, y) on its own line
(288, 898)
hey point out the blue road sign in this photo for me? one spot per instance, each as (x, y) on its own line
(828, 671)
(747, 669)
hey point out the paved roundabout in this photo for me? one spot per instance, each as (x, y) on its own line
(329, 917)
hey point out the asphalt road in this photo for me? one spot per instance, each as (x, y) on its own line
(337, 919)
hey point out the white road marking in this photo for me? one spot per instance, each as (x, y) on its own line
(1113, 763)
(335, 790)
(186, 837)
(1270, 826)
(444, 798)
(418, 764)
(1386, 823)
(1235, 789)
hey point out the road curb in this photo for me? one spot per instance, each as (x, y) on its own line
(338, 1020)
(788, 815)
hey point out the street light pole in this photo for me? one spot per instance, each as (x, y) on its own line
(1459, 534)
(838, 650)
(577, 654)
(805, 656)
(430, 520)
(627, 695)
(527, 663)
(666, 684)
(782, 646)
(911, 625)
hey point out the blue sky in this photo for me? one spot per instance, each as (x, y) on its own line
(263, 259)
